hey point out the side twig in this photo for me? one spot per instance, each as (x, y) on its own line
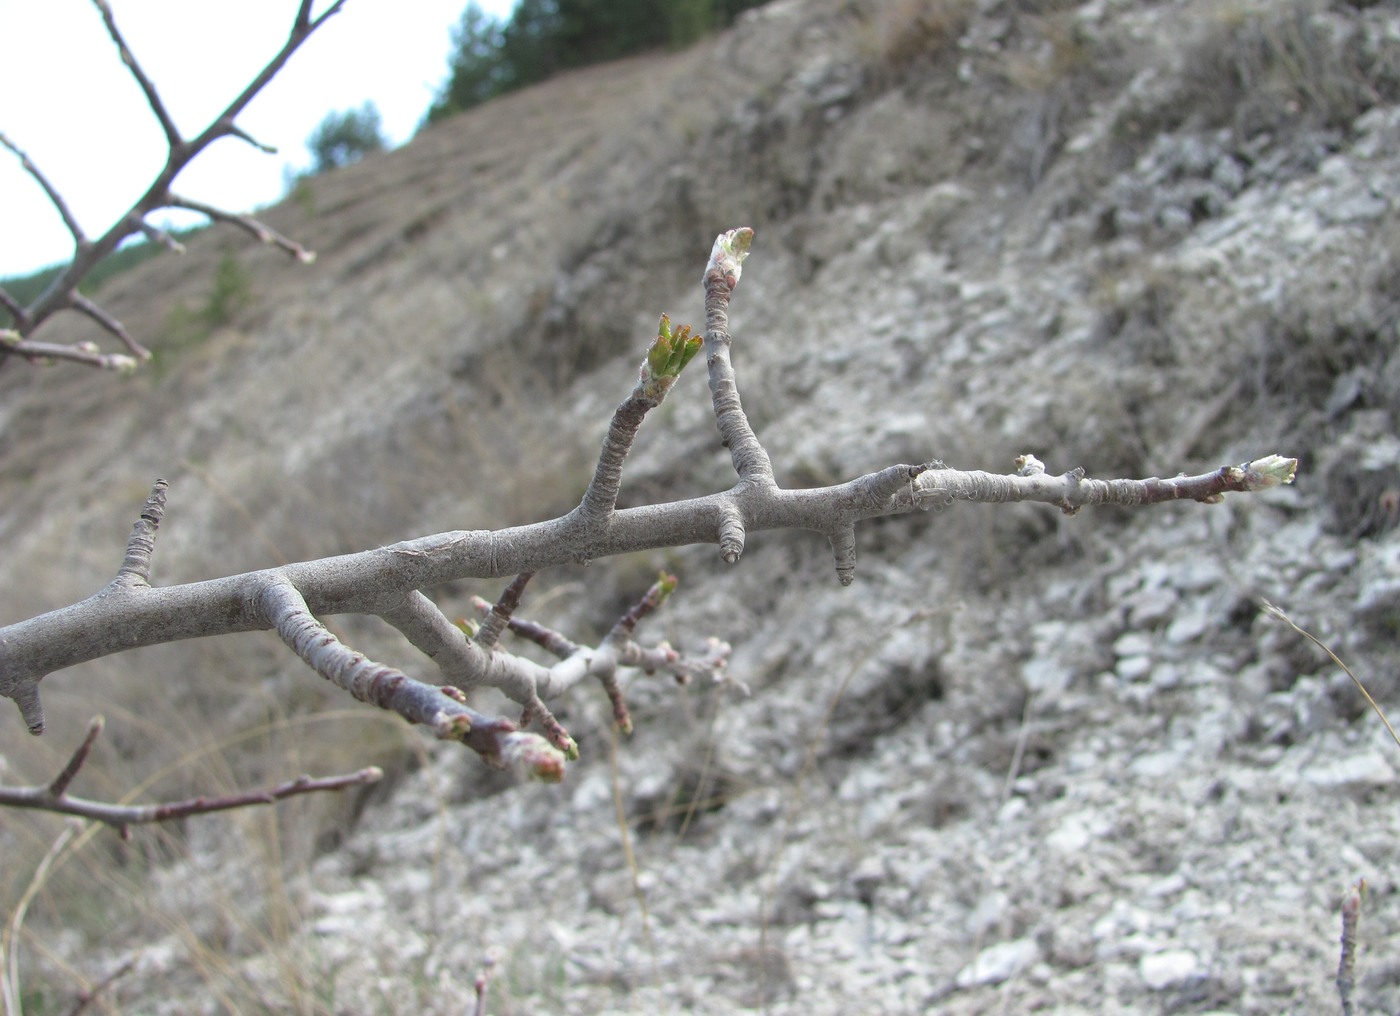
(89, 995)
(1346, 967)
(54, 796)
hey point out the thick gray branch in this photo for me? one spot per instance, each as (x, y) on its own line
(386, 582)
(937, 487)
(443, 710)
(381, 581)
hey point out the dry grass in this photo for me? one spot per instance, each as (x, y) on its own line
(153, 890)
(905, 32)
(1261, 66)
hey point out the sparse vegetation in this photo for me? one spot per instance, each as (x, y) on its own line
(545, 37)
(344, 138)
(1263, 66)
(906, 31)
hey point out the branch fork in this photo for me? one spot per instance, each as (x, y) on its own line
(62, 294)
(388, 582)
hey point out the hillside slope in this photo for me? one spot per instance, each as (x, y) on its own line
(1025, 762)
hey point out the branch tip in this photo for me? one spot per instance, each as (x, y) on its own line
(728, 254)
(59, 785)
(731, 535)
(1270, 471)
(843, 546)
(534, 757)
(31, 707)
(668, 355)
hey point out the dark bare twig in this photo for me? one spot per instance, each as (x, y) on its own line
(83, 305)
(62, 294)
(546, 638)
(157, 235)
(12, 307)
(58, 786)
(258, 230)
(653, 598)
(89, 995)
(167, 124)
(55, 198)
(54, 795)
(500, 614)
(616, 649)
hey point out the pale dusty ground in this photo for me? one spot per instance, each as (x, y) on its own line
(1026, 763)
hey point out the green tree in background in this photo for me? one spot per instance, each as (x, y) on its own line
(345, 137)
(477, 68)
(542, 37)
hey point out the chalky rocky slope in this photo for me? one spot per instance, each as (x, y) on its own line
(1026, 762)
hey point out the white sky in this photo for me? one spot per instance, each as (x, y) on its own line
(67, 100)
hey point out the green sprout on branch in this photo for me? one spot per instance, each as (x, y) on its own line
(667, 357)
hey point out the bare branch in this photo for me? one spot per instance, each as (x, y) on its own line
(938, 486)
(141, 544)
(156, 235)
(242, 135)
(302, 28)
(666, 357)
(58, 786)
(387, 582)
(88, 995)
(85, 353)
(12, 307)
(654, 597)
(616, 649)
(443, 710)
(81, 303)
(722, 274)
(258, 230)
(55, 198)
(500, 613)
(546, 638)
(54, 796)
(62, 293)
(167, 124)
